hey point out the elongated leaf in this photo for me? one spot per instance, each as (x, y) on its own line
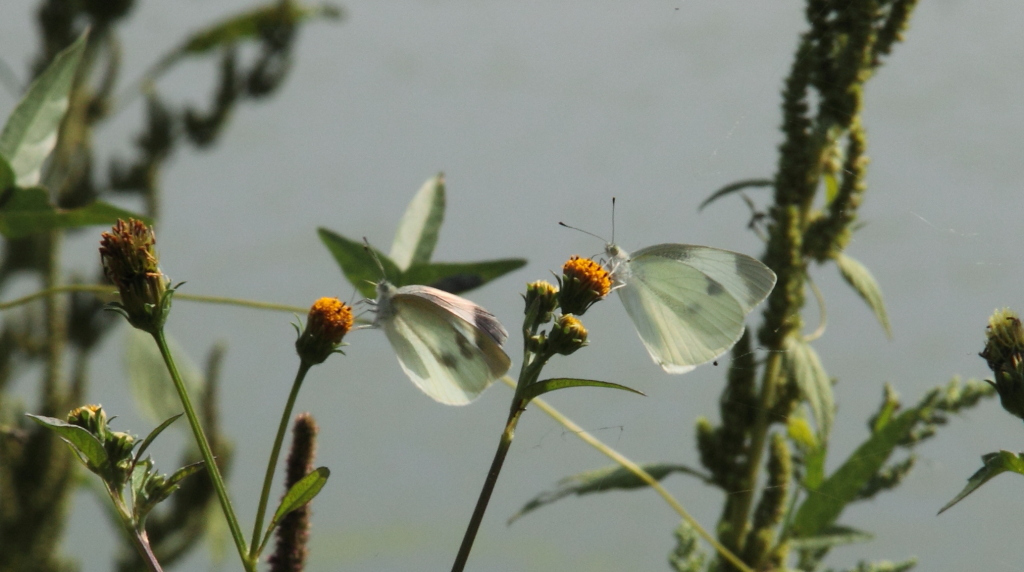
(457, 277)
(31, 131)
(28, 211)
(802, 365)
(249, 24)
(420, 226)
(863, 282)
(301, 493)
(830, 537)
(151, 385)
(547, 385)
(154, 433)
(88, 448)
(994, 464)
(186, 471)
(610, 478)
(821, 508)
(734, 187)
(357, 264)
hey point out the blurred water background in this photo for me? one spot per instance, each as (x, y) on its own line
(539, 112)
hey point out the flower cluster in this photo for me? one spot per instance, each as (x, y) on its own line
(583, 283)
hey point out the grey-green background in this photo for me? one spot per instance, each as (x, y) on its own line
(540, 112)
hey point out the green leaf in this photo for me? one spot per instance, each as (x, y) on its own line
(88, 448)
(31, 131)
(802, 365)
(151, 385)
(357, 264)
(734, 187)
(822, 507)
(186, 471)
(458, 277)
(614, 477)
(830, 537)
(420, 226)
(994, 464)
(249, 24)
(539, 388)
(859, 277)
(301, 493)
(28, 211)
(154, 433)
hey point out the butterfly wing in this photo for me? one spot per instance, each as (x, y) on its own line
(688, 302)
(448, 357)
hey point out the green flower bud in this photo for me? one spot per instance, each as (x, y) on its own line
(567, 335)
(545, 295)
(1004, 352)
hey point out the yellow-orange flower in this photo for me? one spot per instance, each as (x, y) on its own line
(583, 282)
(328, 321)
(567, 335)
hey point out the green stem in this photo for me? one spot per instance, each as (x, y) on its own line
(758, 437)
(204, 448)
(485, 493)
(138, 538)
(268, 479)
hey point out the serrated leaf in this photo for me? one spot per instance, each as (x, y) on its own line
(28, 211)
(458, 277)
(539, 388)
(88, 448)
(420, 226)
(993, 464)
(863, 282)
(249, 24)
(151, 385)
(822, 507)
(802, 365)
(31, 130)
(154, 433)
(614, 477)
(734, 187)
(830, 537)
(357, 264)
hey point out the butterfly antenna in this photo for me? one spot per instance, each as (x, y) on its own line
(613, 220)
(373, 254)
(560, 223)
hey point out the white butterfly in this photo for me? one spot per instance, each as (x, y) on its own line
(448, 346)
(688, 302)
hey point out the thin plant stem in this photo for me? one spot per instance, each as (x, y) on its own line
(268, 479)
(488, 488)
(138, 538)
(109, 290)
(637, 470)
(204, 448)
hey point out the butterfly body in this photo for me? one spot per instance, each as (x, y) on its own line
(688, 302)
(448, 346)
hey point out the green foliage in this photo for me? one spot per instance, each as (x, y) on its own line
(298, 495)
(30, 133)
(248, 25)
(863, 282)
(993, 464)
(27, 211)
(543, 386)
(803, 366)
(601, 480)
(411, 250)
(87, 446)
